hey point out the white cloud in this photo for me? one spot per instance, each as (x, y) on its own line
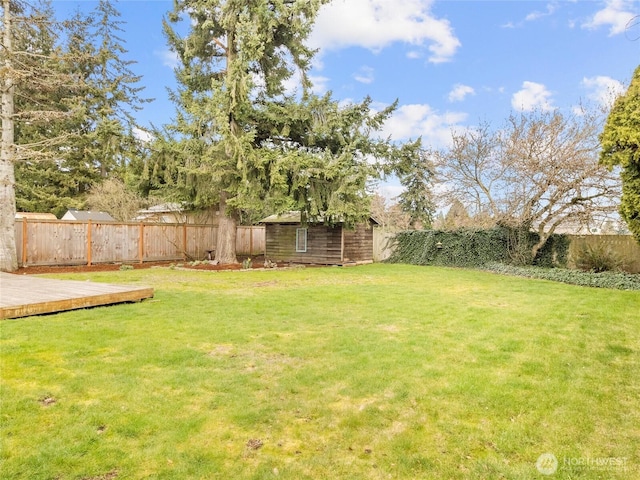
(532, 96)
(616, 15)
(420, 120)
(169, 59)
(376, 24)
(533, 16)
(390, 191)
(364, 75)
(320, 84)
(293, 84)
(602, 89)
(459, 92)
(143, 135)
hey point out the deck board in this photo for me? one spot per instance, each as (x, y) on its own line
(26, 295)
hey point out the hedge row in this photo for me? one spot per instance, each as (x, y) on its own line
(475, 248)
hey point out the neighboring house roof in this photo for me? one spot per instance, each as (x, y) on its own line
(73, 214)
(292, 217)
(156, 212)
(36, 216)
(164, 208)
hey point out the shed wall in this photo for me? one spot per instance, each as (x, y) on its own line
(324, 244)
(358, 244)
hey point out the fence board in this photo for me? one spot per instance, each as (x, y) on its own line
(250, 240)
(54, 243)
(114, 243)
(163, 241)
(201, 239)
(382, 248)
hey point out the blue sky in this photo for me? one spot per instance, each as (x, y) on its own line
(450, 63)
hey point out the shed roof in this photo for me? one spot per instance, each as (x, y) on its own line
(293, 217)
(287, 217)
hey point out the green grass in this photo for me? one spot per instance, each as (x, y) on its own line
(381, 371)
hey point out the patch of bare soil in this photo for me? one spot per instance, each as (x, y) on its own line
(256, 262)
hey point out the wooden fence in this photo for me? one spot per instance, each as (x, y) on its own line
(622, 246)
(45, 242)
(382, 244)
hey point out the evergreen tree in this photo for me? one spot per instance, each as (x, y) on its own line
(114, 96)
(104, 103)
(55, 179)
(66, 103)
(621, 147)
(230, 46)
(416, 175)
(37, 93)
(242, 143)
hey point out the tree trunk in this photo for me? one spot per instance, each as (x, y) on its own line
(227, 230)
(8, 256)
(543, 237)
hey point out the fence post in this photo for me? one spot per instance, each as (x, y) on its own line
(141, 243)
(184, 241)
(89, 242)
(251, 240)
(24, 241)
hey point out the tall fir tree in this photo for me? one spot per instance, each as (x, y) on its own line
(37, 93)
(230, 47)
(51, 181)
(115, 96)
(105, 142)
(243, 143)
(65, 110)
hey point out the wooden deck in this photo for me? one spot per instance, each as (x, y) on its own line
(26, 295)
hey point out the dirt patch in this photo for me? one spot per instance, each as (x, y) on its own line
(102, 267)
(254, 443)
(257, 262)
(47, 401)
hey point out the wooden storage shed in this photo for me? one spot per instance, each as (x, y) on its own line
(288, 240)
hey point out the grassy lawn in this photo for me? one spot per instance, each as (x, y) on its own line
(380, 371)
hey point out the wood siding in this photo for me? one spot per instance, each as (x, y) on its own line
(358, 243)
(325, 245)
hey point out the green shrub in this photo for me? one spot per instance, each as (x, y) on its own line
(125, 266)
(598, 258)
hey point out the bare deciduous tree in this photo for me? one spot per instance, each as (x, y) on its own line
(114, 197)
(389, 214)
(539, 172)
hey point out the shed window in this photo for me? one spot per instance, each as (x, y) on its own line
(301, 239)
